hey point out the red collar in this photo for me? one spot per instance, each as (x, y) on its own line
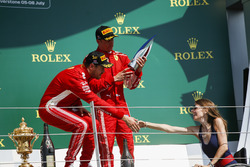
(85, 72)
(106, 53)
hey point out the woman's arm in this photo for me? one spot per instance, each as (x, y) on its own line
(222, 139)
(192, 130)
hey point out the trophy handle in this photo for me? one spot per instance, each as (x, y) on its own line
(36, 137)
(10, 136)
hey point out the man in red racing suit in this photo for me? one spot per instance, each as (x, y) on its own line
(63, 96)
(112, 92)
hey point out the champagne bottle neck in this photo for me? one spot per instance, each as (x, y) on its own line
(125, 148)
(125, 145)
(46, 129)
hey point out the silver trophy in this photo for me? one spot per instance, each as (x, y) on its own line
(142, 52)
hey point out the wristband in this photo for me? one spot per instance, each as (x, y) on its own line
(210, 164)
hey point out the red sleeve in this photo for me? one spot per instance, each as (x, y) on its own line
(98, 85)
(80, 87)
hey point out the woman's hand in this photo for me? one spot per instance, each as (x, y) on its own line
(142, 124)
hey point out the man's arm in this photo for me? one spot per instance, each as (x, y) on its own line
(98, 85)
(81, 89)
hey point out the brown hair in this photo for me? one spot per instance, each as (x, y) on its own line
(213, 112)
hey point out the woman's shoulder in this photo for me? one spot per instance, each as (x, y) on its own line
(218, 121)
(218, 124)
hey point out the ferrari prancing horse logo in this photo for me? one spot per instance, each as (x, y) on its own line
(116, 57)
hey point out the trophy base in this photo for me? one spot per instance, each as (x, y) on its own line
(25, 165)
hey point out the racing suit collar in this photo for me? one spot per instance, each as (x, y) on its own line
(106, 53)
(86, 72)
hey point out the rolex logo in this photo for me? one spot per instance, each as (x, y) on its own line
(120, 17)
(192, 42)
(188, 110)
(197, 95)
(182, 3)
(193, 55)
(51, 57)
(50, 44)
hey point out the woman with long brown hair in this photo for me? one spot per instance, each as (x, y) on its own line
(212, 133)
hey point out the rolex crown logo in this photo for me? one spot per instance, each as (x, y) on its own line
(120, 18)
(50, 44)
(197, 95)
(192, 42)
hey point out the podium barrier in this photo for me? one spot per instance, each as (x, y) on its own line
(188, 154)
(92, 108)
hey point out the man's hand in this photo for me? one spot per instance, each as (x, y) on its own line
(122, 75)
(141, 62)
(132, 123)
(84, 111)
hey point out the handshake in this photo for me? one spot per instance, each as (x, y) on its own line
(133, 123)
